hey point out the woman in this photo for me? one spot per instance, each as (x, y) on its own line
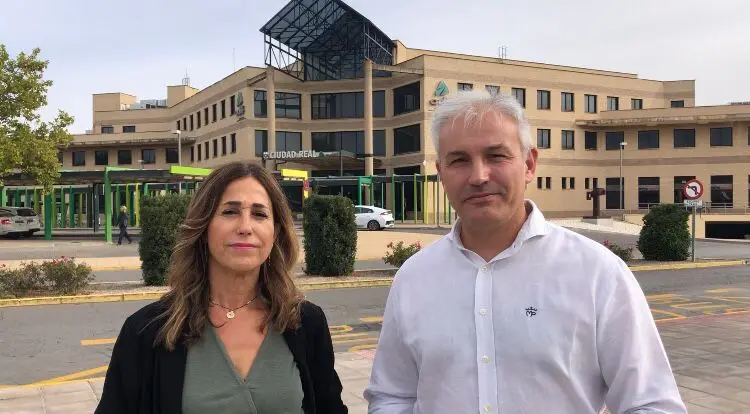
(233, 334)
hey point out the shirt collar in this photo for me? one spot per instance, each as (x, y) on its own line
(535, 225)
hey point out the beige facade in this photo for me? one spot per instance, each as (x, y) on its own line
(578, 115)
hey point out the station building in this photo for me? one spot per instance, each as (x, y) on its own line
(336, 96)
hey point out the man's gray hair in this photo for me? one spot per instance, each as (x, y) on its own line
(474, 105)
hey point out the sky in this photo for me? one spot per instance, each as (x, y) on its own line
(139, 47)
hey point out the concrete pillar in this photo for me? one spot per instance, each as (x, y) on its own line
(271, 113)
(368, 125)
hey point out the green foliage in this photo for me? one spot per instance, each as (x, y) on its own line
(397, 254)
(330, 235)
(29, 145)
(62, 276)
(624, 253)
(665, 235)
(161, 217)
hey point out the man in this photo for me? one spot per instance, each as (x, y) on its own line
(122, 222)
(509, 313)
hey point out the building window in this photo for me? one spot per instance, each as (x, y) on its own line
(287, 105)
(213, 113)
(192, 154)
(233, 143)
(101, 157)
(184, 124)
(232, 105)
(543, 99)
(492, 89)
(613, 193)
(198, 116)
(205, 114)
(613, 103)
(568, 183)
(108, 129)
(407, 139)
(288, 141)
(205, 150)
(684, 138)
(572, 183)
(172, 155)
(178, 125)
(148, 156)
(124, 157)
(547, 183)
(587, 183)
(636, 103)
(748, 135)
(568, 140)
(721, 137)
(648, 192)
(346, 105)
(590, 138)
(224, 145)
(465, 87)
(677, 104)
(200, 152)
(613, 140)
(128, 128)
(79, 158)
(543, 138)
(223, 108)
(378, 143)
(191, 122)
(261, 142)
(648, 139)
(520, 95)
(351, 141)
(407, 98)
(539, 182)
(722, 191)
(567, 102)
(590, 106)
(216, 146)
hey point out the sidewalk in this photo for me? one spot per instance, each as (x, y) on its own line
(710, 357)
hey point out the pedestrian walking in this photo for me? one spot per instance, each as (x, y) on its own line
(233, 334)
(122, 222)
(509, 313)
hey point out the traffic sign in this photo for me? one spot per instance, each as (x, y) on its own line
(693, 203)
(693, 189)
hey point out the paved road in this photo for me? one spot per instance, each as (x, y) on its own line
(44, 342)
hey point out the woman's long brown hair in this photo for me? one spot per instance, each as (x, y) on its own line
(188, 299)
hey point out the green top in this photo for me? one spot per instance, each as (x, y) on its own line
(213, 385)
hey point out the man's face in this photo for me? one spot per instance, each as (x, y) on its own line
(484, 169)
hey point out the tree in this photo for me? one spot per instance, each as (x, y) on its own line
(29, 145)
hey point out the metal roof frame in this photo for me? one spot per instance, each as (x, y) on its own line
(324, 40)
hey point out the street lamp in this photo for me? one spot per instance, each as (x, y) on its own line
(622, 189)
(179, 156)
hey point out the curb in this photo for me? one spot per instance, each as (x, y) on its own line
(133, 296)
(688, 265)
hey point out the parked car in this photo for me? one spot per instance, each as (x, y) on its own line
(373, 218)
(17, 221)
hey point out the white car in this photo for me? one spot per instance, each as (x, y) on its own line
(17, 221)
(373, 218)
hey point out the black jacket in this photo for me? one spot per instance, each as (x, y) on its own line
(145, 379)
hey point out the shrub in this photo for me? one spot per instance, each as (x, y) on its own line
(330, 235)
(665, 235)
(161, 217)
(67, 277)
(624, 253)
(23, 281)
(397, 254)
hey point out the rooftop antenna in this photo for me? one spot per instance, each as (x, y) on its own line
(503, 53)
(186, 79)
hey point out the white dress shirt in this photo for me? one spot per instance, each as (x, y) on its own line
(556, 323)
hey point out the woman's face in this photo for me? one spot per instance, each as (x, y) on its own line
(241, 232)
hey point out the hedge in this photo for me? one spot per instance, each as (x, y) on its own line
(330, 235)
(665, 235)
(161, 217)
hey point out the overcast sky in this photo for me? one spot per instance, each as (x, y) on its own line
(140, 47)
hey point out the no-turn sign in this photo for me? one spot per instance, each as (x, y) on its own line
(693, 189)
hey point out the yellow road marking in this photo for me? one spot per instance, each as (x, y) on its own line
(363, 347)
(336, 329)
(734, 299)
(98, 341)
(698, 305)
(671, 315)
(73, 376)
(37, 384)
(348, 341)
(372, 319)
(348, 335)
(724, 290)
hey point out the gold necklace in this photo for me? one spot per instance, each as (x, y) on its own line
(230, 311)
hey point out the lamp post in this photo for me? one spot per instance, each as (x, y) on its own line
(622, 189)
(179, 156)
